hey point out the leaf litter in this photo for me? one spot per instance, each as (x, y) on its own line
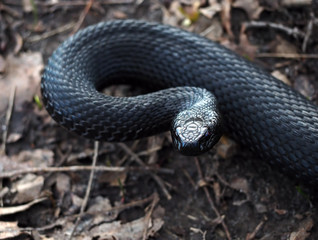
(247, 193)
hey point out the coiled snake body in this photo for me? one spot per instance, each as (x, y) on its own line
(259, 111)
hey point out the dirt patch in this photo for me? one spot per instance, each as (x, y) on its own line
(227, 193)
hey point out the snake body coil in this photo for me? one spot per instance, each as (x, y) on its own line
(259, 111)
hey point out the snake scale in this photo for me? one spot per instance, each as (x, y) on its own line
(260, 112)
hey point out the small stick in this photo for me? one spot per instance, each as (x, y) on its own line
(308, 33)
(148, 215)
(56, 31)
(82, 168)
(205, 188)
(295, 3)
(69, 3)
(295, 32)
(88, 190)
(127, 205)
(83, 3)
(7, 123)
(135, 157)
(287, 55)
(252, 235)
(61, 169)
(88, 6)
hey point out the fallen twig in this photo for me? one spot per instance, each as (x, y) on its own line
(56, 31)
(135, 157)
(286, 55)
(295, 32)
(69, 3)
(82, 168)
(252, 235)
(294, 3)
(308, 33)
(88, 190)
(205, 188)
(155, 200)
(127, 205)
(20, 208)
(10, 11)
(7, 122)
(88, 6)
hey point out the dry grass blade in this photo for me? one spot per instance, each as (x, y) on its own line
(88, 190)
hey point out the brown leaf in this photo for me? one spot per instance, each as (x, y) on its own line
(27, 6)
(212, 9)
(240, 184)
(27, 188)
(280, 76)
(280, 211)
(20, 208)
(226, 148)
(130, 230)
(99, 209)
(63, 184)
(24, 72)
(260, 208)
(226, 17)
(116, 179)
(9, 230)
(303, 230)
(2, 64)
(282, 46)
(251, 7)
(35, 158)
(303, 85)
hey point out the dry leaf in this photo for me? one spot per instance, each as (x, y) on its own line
(283, 46)
(23, 72)
(130, 230)
(212, 9)
(214, 31)
(9, 230)
(119, 15)
(282, 77)
(226, 17)
(246, 48)
(27, 6)
(303, 231)
(173, 15)
(303, 85)
(7, 164)
(116, 179)
(63, 184)
(36, 157)
(100, 204)
(260, 208)
(251, 7)
(280, 211)
(226, 148)
(240, 184)
(2, 64)
(20, 208)
(100, 212)
(27, 188)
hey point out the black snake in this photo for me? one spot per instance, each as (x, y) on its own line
(259, 111)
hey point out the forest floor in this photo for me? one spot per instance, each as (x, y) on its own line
(145, 189)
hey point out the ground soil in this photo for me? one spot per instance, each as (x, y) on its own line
(253, 199)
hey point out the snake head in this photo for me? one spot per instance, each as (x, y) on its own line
(194, 133)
